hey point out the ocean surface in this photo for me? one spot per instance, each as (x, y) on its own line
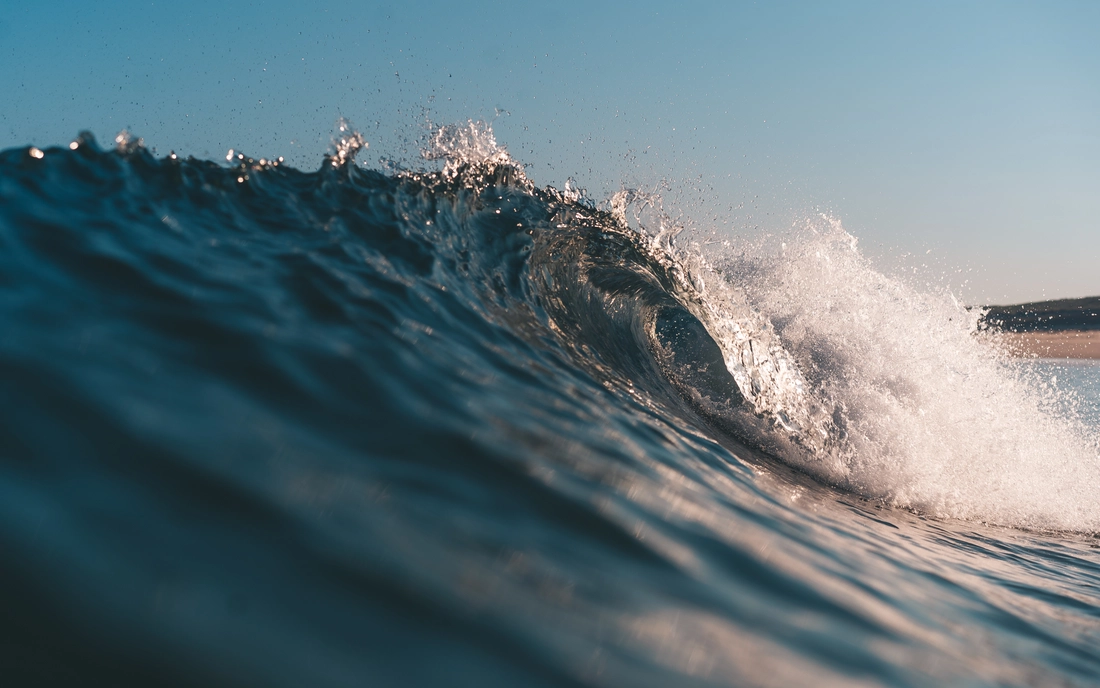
(439, 426)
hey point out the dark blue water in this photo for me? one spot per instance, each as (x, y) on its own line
(340, 428)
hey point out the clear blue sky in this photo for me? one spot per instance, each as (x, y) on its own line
(968, 129)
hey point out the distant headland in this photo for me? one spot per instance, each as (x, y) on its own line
(1065, 328)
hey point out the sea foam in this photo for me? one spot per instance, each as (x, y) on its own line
(924, 410)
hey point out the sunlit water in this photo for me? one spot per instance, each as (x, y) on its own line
(347, 427)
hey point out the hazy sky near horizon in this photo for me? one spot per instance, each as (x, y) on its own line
(961, 135)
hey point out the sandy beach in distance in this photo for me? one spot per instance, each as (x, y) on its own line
(1067, 344)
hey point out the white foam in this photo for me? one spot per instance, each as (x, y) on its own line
(920, 409)
(346, 144)
(460, 145)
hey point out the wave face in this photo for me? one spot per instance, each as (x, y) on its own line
(268, 427)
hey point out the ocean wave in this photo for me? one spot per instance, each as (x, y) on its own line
(803, 351)
(294, 414)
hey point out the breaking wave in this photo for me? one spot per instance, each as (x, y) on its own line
(315, 368)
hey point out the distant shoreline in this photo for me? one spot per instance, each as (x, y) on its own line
(1066, 328)
(1064, 344)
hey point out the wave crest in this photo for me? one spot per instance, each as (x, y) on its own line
(802, 351)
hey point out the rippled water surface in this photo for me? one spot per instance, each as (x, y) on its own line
(351, 427)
